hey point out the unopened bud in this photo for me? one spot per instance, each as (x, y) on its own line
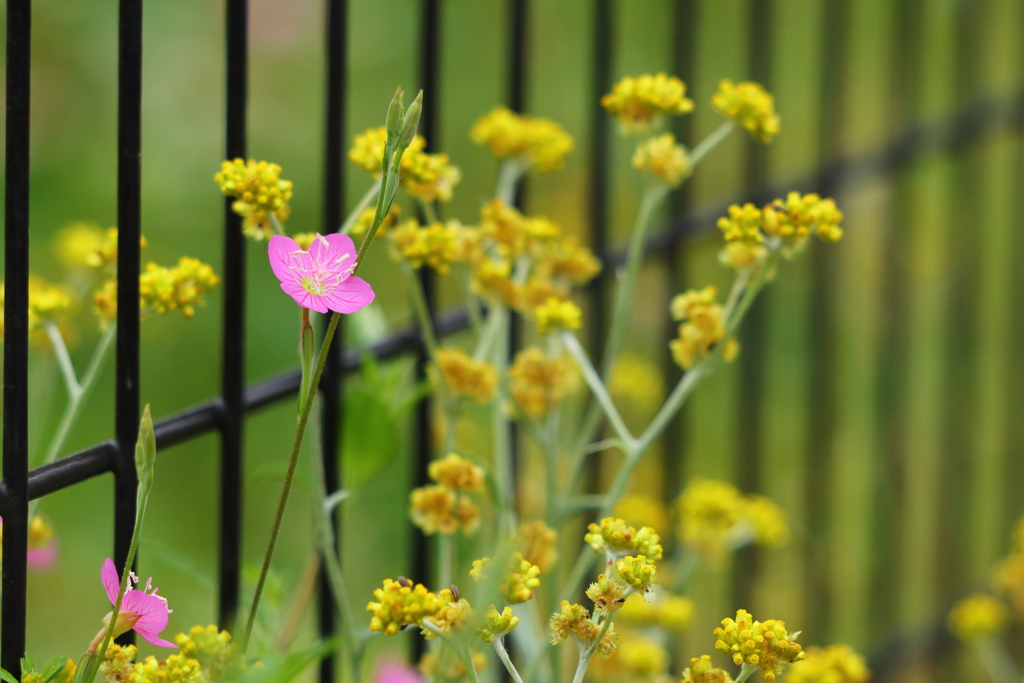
(412, 121)
(145, 451)
(395, 112)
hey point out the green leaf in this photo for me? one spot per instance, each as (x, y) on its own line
(28, 665)
(286, 668)
(6, 676)
(53, 667)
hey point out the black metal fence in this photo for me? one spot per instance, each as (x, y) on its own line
(227, 413)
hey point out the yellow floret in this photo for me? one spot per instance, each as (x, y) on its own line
(640, 101)
(749, 105)
(663, 159)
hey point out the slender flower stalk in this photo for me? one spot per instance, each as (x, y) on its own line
(499, 647)
(364, 201)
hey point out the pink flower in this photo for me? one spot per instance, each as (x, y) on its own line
(43, 559)
(320, 278)
(42, 544)
(392, 672)
(141, 610)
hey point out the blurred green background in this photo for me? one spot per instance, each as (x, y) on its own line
(876, 394)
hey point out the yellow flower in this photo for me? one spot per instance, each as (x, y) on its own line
(709, 512)
(368, 149)
(701, 670)
(606, 594)
(537, 382)
(558, 314)
(217, 654)
(47, 302)
(542, 142)
(118, 663)
(833, 664)
(743, 224)
(76, 244)
(536, 541)
(521, 577)
(365, 220)
(636, 611)
(492, 278)
(663, 159)
(429, 177)
(175, 669)
(506, 226)
(40, 532)
(794, 219)
(497, 625)
(104, 254)
(566, 259)
(675, 612)
(457, 473)
(643, 658)
(638, 102)
(163, 290)
(767, 645)
(259, 194)
(740, 254)
(451, 617)
(749, 105)
(769, 521)
(435, 245)
(613, 537)
(572, 620)
(978, 616)
(438, 509)
(702, 325)
(399, 604)
(464, 376)
(639, 573)
(641, 510)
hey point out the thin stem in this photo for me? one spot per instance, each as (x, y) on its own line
(710, 142)
(995, 660)
(746, 671)
(420, 310)
(445, 551)
(60, 350)
(597, 387)
(499, 647)
(588, 653)
(484, 342)
(509, 174)
(475, 319)
(357, 211)
(429, 212)
(278, 228)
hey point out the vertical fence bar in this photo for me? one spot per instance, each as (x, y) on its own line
(129, 167)
(15, 438)
(331, 386)
(600, 174)
(236, 23)
(429, 78)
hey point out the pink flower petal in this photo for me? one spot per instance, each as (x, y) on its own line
(392, 672)
(111, 580)
(303, 298)
(152, 613)
(350, 296)
(43, 559)
(339, 245)
(280, 250)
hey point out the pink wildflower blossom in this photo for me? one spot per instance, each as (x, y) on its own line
(393, 672)
(43, 559)
(143, 611)
(320, 278)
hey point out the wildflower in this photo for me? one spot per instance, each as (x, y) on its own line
(639, 573)
(749, 105)
(836, 664)
(541, 142)
(368, 149)
(435, 245)
(259, 194)
(180, 288)
(464, 376)
(702, 671)
(141, 611)
(393, 672)
(536, 541)
(536, 292)
(105, 253)
(607, 594)
(794, 219)
(42, 544)
(429, 177)
(47, 303)
(506, 226)
(175, 669)
(675, 612)
(453, 615)
(216, 652)
(743, 224)
(770, 528)
(767, 645)
(637, 612)
(521, 577)
(497, 625)
(537, 382)
(741, 255)
(566, 259)
(457, 473)
(118, 663)
(702, 327)
(492, 279)
(643, 658)
(399, 604)
(614, 538)
(438, 509)
(641, 101)
(663, 159)
(557, 314)
(642, 510)
(320, 279)
(978, 616)
(572, 620)
(76, 243)
(365, 221)
(709, 514)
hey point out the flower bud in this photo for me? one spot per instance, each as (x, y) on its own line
(145, 453)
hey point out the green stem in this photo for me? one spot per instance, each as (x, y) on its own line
(597, 387)
(587, 653)
(746, 671)
(429, 212)
(499, 647)
(445, 550)
(60, 350)
(710, 142)
(475, 320)
(357, 211)
(278, 228)
(509, 174)
(996, 661)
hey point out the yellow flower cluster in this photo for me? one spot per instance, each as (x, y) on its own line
(47, 302)
(701, 670)
(978, 616)
(40, 532)
(663, 159)
(520, 578)
(607, 594)
(749, 105)
(639, 573)
(428, 177)
(574, 620)
(216, 652)
(118, 663)
(715, 516)
(444, 508)
(565, 259)
(537, 543)
(642, 658)
(642, 100)
(77, 243)
(175, 669)
(63, 675)
(837, 663)
(538, 382)
(259, 193)
(463, 376)
(791, 220)
(454, 614)
(541, 142)
(558, 314)
(399, 604)
(497, 624)
(701, 328)
(436, 245)
(365, 220)
(640, 509)
(613, 537)
(767, 645)
(457, 473)
(164, 290)
(671, 612)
